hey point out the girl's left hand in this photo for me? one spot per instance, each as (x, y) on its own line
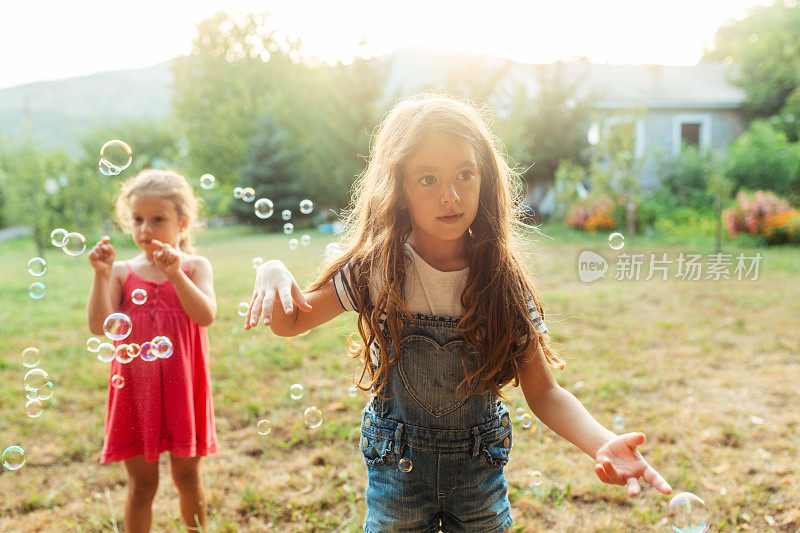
(166, 258)
(620, 463)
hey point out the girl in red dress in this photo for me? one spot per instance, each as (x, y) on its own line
(157, 404)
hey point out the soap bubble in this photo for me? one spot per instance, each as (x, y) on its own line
(257, 262)
(147, 352)
(207, 181)
(34, 380)
(105, 352)
(57, 237)
(405, 465)
(288, 228)
(519, 412)
(263, 208)
(264, 427)
(117, 381)
(296, 391)
(139, 296)
(162, 347)
(37, 266)
(688, 513)
(294, 244)
(616, 241)
(117, 326)
(352, 391)
(34, 408)
(123, 354)
(237, 193)
(116, 154)
(106, 169)
(305, 240)
(45, 392)
(312, 417)
(92, 343)
(30, 357)
(619, 423)
(333, 251)
(536, 478)
(526, 421)
(248, 194)
(13, 458)
(74, 244)
(286, 214)
(36, 290)
(243, 307)
(306, 206)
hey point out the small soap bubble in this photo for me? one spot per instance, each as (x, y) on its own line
(333, 251)
(526, 421)
(34, 408)
(162, 347)
(117, 326)
(147, 352)
(46, 391)
(57, 237)
(207, 181)
(117, 381)
(688, 513)
(248, 194)
(619, 423)
(105, 352)
(116, 154)
(264, 427)
(13, 458)
(294, 244)
(352, 391)
(92, 343)
(74, 244)
(36, 290)
(237, 193)
(243, 307)
(34, 380)
(263, 208)
(405, 465)
(123, 354)
(286, 214)
(30, 357)
(257, 262)
(305, 240)
(306, 206)
(312, 417)
(139, 296)
(296, 391)
(37, 266)
(288, 228)
(519, 412)
(536, 478)
(616, 241)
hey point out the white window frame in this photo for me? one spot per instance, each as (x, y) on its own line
(704, 119)
(639, 131)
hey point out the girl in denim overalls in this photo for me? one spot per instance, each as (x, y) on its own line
(448, 317)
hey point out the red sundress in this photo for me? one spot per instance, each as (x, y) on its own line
(164, 404)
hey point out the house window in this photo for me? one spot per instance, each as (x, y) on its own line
(690, 133)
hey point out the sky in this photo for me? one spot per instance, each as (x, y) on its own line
(48, 40)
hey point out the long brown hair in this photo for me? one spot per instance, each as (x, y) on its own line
(170, 185)
(497, 292)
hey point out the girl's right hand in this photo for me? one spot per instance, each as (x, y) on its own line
(102, 255)
(273, 279)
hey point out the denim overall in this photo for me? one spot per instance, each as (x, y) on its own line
(457, 444)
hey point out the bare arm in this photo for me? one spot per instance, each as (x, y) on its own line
(557, 407)
(105, 293)
(196, 293)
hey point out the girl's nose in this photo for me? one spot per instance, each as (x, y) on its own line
(450, 195)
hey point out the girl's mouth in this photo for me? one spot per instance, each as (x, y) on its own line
(450, 219)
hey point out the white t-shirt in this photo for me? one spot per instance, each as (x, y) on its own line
(427, 290)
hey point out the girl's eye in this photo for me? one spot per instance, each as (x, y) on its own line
(468, 173)
(158, 219)
(137, 220)
(427, 180)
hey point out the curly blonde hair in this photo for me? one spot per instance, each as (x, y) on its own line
(170, 185)
(498, 291)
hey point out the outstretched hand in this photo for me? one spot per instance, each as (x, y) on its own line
(102, 255)
(620, 463)
(167, 259)
(275, 287)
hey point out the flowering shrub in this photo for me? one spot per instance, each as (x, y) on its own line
(750, 213)
(782, 228)
(592, 213)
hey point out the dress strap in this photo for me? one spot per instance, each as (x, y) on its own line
(128, 264)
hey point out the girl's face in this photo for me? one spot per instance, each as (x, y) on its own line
(441, 188)
(154, 217)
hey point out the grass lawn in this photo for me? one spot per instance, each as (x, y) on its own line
(708, 369)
